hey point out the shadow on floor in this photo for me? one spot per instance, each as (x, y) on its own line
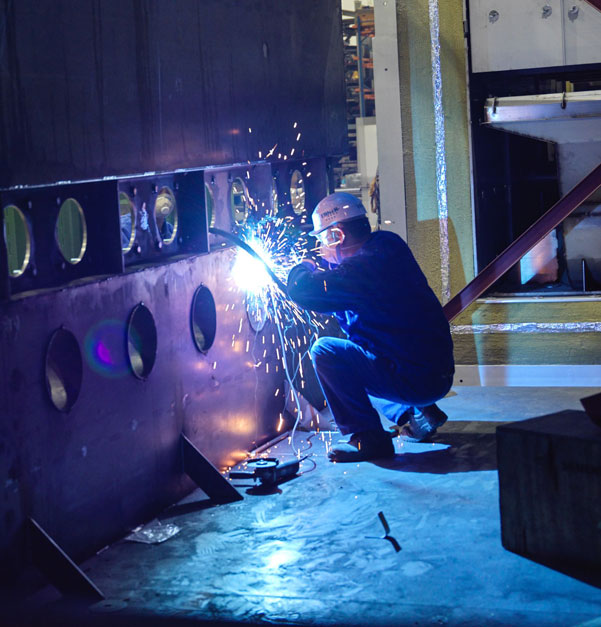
(71, 613)
(471, 446)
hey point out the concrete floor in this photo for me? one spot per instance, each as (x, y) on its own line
(312, 551)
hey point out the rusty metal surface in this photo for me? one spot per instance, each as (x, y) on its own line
(131, 87)
(114, 460)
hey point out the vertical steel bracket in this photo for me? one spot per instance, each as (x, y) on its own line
(206, 476)
(60, 570)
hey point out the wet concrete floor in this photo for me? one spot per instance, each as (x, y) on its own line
(312, 551)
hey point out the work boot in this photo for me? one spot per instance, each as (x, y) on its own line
(423, 423)
(405, 417)
(396, 429)
(373, 444)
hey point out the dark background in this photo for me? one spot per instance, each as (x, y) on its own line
(96, 88)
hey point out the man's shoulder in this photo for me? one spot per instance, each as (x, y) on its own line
(385, 240)
(386, 236)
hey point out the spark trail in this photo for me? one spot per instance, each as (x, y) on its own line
(269, 244)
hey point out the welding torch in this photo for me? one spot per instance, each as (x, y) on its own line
(240, 242)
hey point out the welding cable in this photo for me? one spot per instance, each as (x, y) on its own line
(303, 459)
(242, 244)
(291, 384)
(305, 472)
(294, 390)
(308, 447)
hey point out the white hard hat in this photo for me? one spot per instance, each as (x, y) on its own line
(337, 207)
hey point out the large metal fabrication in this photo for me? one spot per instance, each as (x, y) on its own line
(127, 130)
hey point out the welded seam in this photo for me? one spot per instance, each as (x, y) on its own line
(527, 327)
(441, 160)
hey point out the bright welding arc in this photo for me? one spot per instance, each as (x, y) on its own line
(242, 244)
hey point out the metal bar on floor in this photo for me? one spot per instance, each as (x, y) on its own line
(527, 240)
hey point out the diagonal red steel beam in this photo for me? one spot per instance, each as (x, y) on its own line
(595, 3)
(527, 240)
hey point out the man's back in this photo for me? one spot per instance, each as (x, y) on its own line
(383, 302)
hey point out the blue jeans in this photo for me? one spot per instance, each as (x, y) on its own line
(353, 380)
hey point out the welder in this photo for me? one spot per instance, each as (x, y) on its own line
(398, 353)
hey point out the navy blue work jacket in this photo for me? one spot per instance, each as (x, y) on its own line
(383, 303)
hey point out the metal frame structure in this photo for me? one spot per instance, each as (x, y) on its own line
(515, 251)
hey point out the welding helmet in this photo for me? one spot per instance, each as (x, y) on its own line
(335, 208)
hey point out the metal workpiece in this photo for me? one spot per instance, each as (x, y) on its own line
(99, 243)
(110, 241)
(113, 460)
(197, 120)
(181, 90)
(156, 235)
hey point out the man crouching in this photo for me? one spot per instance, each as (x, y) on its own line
(399, 353)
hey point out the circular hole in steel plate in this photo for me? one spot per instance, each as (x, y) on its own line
(18, 240)
(127, 220)
(141, 341)
(256, 309)
(239, 201)
(165, 213)
(203, 319)
(297, 192)
(71, 231)
(64, 369)
(210, 205)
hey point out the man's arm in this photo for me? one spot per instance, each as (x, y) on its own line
(324, 292)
